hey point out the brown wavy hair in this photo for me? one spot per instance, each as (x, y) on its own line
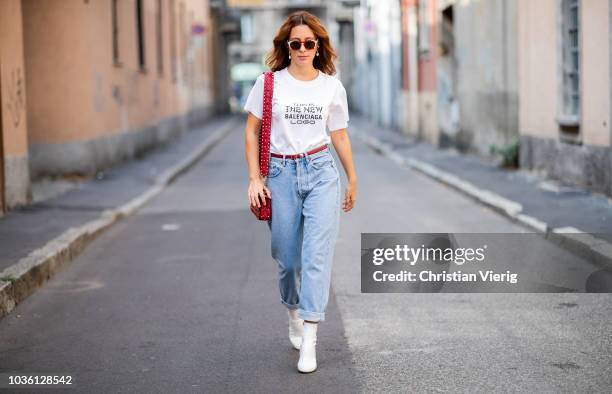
(278, 57)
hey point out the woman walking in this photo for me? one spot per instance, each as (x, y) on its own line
(309, 111)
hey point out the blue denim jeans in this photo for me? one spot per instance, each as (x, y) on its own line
(304, 227)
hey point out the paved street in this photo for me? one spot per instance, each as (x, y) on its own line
(183, 297)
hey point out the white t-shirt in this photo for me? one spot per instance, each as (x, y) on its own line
(301, 110)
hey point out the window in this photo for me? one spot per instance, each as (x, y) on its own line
(159, 30)
(140, 35)
(569, 112)
(115, 26)
(247, 28)
(183, 38)
(172, 29)
(424, 26)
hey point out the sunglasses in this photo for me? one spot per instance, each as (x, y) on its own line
(297, 44)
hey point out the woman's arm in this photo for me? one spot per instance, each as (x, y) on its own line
(251, 143)
(342, 145)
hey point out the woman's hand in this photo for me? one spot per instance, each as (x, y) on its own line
(342, 145)
(350, 196)
(257, 191)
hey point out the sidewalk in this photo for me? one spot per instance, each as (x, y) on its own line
(574, 217)
(35, 241)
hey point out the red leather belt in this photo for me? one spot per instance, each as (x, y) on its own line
(297, 156)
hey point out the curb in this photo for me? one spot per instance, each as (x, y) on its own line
(32, 271)
(570, 238)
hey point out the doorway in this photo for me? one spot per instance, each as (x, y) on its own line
(2, 182)
(448, 103)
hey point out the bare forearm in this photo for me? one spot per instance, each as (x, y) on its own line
(251, 142)
(342, 145)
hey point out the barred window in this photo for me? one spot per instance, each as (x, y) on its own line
(570, 63)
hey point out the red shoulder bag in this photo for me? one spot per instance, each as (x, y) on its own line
(265, 211)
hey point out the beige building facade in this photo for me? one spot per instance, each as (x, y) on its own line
(99, 81)
(565, 90)
(477, 74)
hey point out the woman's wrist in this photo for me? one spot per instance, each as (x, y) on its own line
(352, 180)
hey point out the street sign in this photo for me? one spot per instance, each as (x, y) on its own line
(197, 29)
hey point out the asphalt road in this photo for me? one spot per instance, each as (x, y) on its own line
(183, 297)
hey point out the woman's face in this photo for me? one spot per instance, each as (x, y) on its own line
(302, 56)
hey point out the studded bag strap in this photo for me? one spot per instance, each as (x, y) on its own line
(266, 124)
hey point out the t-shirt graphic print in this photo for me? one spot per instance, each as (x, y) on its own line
(303, 112)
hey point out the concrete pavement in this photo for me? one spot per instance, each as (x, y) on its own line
(39, 239)
(182, 297)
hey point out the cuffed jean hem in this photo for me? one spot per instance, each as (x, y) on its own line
(290, 306)
(312, 316)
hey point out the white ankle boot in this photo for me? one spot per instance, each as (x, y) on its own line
(296, 329)
(308, 355)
